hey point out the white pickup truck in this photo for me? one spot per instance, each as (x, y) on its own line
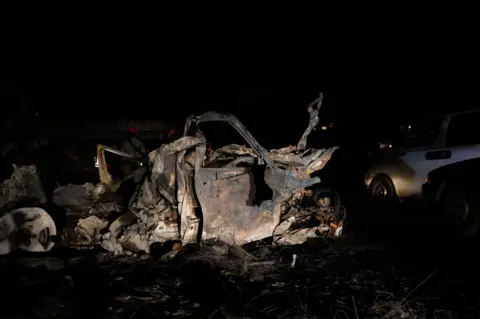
(432, 144)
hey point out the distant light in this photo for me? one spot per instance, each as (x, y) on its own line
(324, 128)
(409, 127)
(390, 145)
(36, 114)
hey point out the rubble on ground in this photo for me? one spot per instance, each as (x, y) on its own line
(85, 200)
(89, 230)
(24, 228)
(74, 195)
(24, 186)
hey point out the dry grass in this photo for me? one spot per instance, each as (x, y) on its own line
(389, 307)
(221, 256)
(328, 280)
(235, 262)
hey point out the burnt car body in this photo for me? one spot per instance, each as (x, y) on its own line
(183, 196)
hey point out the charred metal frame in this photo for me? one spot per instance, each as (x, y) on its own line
(223, 193)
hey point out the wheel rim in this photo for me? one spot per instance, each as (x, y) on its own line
(327, 198)
(380, 192)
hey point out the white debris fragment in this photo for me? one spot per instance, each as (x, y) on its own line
(111, 244)
(339, 231)
(166, 232)
(29, 228)
(294, 259)
(133, 241)
(88, 230)
(169, 255)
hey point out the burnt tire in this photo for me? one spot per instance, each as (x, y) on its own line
(459, 207)
(333, 197)
(382, 191)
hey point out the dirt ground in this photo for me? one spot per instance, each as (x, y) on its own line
(414, 275)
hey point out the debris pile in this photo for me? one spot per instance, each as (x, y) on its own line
(26, 228)
(24, 186)
(189, 193)
(84, 200)
(193, 193)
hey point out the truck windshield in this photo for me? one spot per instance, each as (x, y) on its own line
(420, 134)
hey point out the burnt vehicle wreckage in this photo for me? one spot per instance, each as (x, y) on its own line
(184, 192)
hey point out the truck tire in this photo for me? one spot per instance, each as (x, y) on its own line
(382, 190)
(460, 209)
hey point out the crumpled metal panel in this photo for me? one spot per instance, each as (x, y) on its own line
(319, 162)
(285, 182)
(186, 202)
(226, 198)
(313, 110)
(165, 202)
(258, 149)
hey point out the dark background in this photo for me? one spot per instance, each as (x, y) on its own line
(168, 60)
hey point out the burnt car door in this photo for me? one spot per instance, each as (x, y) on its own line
(236, 203)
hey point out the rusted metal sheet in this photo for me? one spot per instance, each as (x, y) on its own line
(313, 109)
(226, 197)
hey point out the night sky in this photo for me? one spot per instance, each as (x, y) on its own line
(171, 60)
